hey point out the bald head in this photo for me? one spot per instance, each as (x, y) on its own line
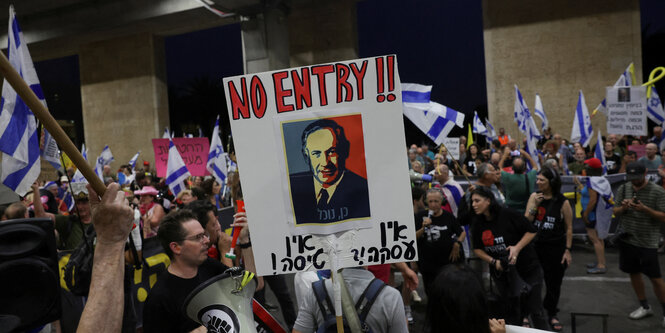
(441, 173)
(16, 210)
(651, 150)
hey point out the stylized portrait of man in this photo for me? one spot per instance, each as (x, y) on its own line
(328, 192)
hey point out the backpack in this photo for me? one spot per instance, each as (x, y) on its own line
(363, 306)
(78, 270)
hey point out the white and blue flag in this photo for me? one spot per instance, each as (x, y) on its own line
(599, 154)
(655, 107)
(490, 130)
(84, 151)
(19, 141)
(520, 110)
(625, 79)
(478, 126)
(540, 112)
(176, 170)
(105, 158)
(216, 157)
(531, 146)
(167, 134)
(434, 119)
(523, 117)
(582, 123)
(132, 162)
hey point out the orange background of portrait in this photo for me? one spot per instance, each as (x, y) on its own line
(353, 129)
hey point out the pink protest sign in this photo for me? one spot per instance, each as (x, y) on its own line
(639, 149)
(194, 152)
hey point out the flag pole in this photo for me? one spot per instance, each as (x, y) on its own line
(40, 111)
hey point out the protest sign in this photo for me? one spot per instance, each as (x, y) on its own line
(640, 150)
(331, 127)
(194, 152)
(452, 144)
(626, 110)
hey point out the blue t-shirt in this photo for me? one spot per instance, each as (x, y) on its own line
(585, 201)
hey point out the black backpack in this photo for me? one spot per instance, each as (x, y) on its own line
(78, 270)
(363, 306)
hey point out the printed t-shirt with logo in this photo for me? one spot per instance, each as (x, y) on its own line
(437, 241)
(505, 230)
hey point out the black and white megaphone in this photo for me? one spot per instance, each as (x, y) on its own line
(224, 303)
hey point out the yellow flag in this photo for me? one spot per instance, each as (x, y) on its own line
(68, 162)
(469, 138)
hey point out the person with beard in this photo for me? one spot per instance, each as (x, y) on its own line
(641, 211)
(519, 184)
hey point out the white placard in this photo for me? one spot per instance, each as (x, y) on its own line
(626, 110)
(452, 144)
(334, 127)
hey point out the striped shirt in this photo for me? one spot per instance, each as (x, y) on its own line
(644, 231)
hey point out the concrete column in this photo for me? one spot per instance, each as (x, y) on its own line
(323, 31)
(265, 40)
(556, 48)
(124, 96)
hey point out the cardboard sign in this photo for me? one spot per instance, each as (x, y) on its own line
(452, 144)
(194, 152)
(316, 149)
(626, 110)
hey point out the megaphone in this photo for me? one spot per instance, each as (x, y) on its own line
(223, 303)
(419, 177)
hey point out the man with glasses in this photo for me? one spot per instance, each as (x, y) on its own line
(220, 242)
(186, 243)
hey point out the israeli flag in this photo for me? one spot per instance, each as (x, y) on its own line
(216, 157)
(84, 151)
(167, 134)
(132, 162)
(19, 141)
(540, 112)
(478, 126)
(582, 123)
(625, 79)
(176, 170)
(655, 107)
(604, 206)
(490, 130)
(105, 158)
(520, 110)
(434, 119)
(67, 200)
(531, 148)
(599, 154)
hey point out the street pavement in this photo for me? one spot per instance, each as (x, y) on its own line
(608, 294)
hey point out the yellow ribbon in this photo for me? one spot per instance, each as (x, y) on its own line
(653, 78)
(248, 276)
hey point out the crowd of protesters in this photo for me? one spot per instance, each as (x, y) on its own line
(520, 223)
(512, 216)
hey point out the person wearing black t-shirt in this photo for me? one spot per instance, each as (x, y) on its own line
(612, 160)
(439, 238)
(501, 237)
(186, 243)
(552, 215)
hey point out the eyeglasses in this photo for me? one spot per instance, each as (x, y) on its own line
(198, 238)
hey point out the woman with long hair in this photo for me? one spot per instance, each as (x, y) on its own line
(472, 159)
(212, 191)
(552, 215)
(502, 237)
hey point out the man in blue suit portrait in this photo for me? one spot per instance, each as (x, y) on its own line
(328, 192)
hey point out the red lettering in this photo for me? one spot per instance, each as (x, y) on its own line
(280, 93)
(342, 77)
(320, 72)
(240, 106)
(359, 74)
(302, 89)
(258, 94)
